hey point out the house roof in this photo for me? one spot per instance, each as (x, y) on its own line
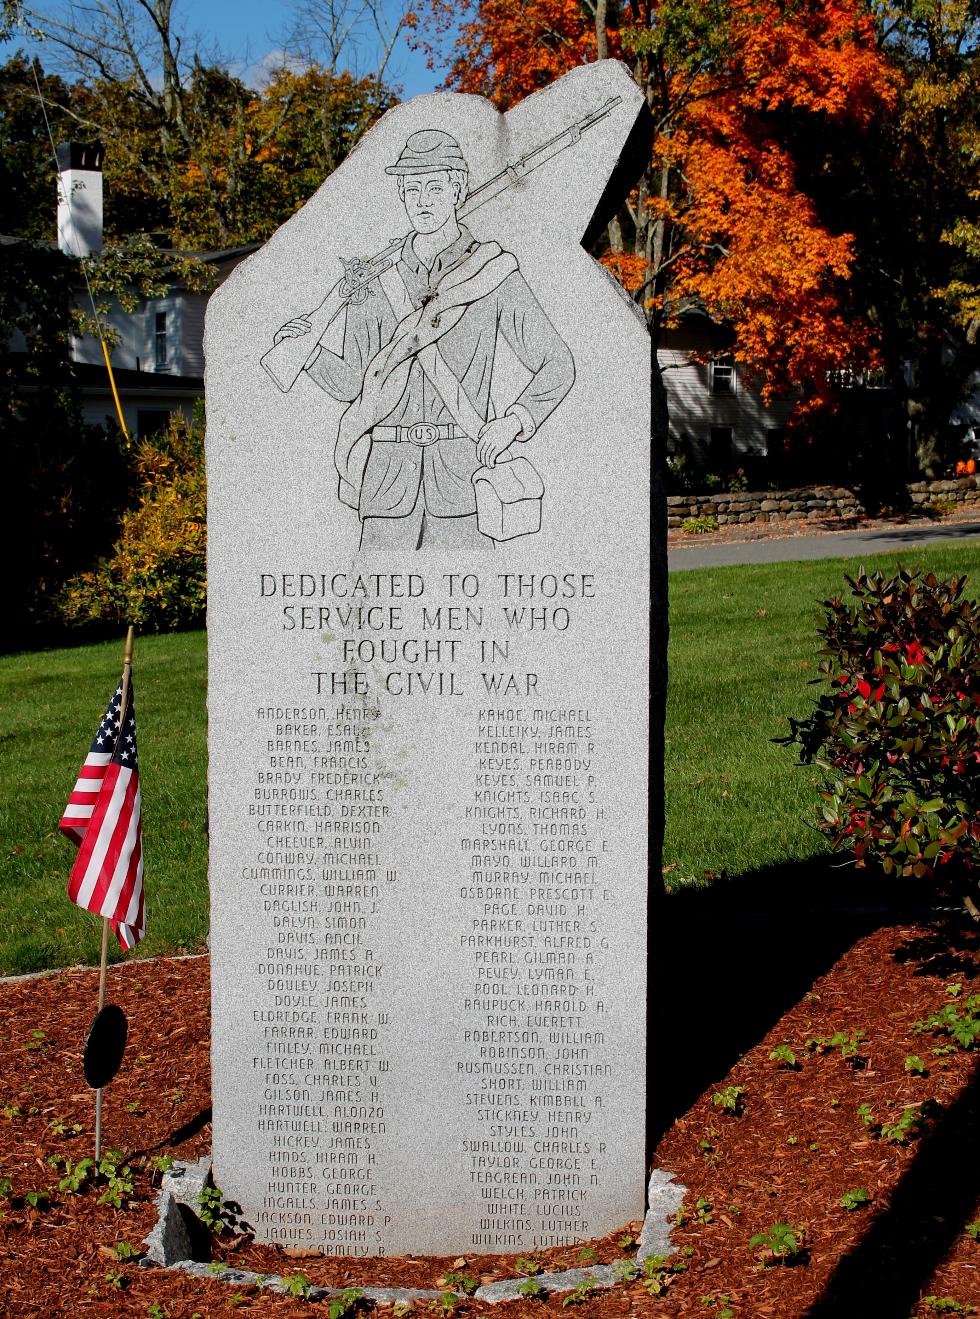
(227, 256)
(94, 379)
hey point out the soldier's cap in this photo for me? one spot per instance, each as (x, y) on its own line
(429, 150)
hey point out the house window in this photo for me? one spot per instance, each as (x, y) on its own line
(723, 374)
(160, 341)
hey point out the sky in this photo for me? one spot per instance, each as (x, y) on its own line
(249, 34)
(250, 31)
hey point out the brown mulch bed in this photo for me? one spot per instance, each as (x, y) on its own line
(797, 1147)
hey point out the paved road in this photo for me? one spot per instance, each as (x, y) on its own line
(831, 545)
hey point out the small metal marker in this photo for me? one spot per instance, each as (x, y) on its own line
(105, 1045)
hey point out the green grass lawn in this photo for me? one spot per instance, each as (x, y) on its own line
(51, 703)
(743, 646)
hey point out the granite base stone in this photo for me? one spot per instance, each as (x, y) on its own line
(178, 1233)
(170, 1244)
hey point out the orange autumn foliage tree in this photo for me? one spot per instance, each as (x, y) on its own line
(718, 219)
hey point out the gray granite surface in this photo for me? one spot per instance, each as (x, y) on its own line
(428, 659)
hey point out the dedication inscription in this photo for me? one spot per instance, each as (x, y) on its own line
(428, 473)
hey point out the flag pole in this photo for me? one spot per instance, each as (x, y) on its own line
(104, 964)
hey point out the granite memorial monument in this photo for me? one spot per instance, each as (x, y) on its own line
(428, 472)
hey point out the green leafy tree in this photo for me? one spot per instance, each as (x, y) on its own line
(910, 192)
(191, 149)
(155, 576)
(27, 173)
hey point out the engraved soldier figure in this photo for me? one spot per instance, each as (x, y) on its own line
(417, 362)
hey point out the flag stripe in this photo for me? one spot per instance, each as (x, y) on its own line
(98, 839)
(110, 890)
(132, 912)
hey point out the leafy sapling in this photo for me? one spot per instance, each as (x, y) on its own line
(959, 1022)
(346, 1304)
(784, 1056)
(77, 1175)
(461, 1282)
(60, 1126)
(660, 1272)
(118, 1179)
(847, 1042)
(730, 1099)
(531, 1289)
(297, 1285)
(853, 1199)
(781, 1244)
(579, 1294)
(912, 1122)
(213, 1210)
(158, 1165)
(721, 1304)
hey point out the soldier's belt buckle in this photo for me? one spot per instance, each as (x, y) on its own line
(423, 432)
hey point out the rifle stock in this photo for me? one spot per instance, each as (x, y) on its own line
(286, 359)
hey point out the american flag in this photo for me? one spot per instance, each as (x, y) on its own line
(103, 816)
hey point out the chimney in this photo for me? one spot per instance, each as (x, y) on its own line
(80, 197)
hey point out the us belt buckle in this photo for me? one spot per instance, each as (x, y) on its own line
(423, 432)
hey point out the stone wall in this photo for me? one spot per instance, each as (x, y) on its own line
(809, 502)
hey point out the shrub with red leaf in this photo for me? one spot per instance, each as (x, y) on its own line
(896, 733)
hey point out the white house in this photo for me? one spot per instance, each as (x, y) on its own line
(717, 418)
(158, 348)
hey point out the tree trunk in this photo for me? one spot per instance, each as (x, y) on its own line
(601, 36)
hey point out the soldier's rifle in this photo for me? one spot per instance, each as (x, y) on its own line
(286, 359)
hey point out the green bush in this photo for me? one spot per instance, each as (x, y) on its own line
(896, 732)
(155, 577)
(941, 506)
(699, 525)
